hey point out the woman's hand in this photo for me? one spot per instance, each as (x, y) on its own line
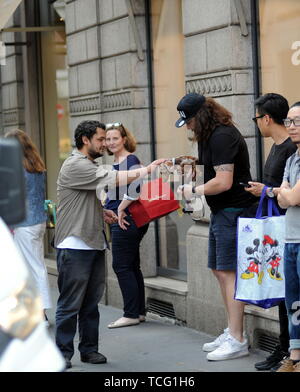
(121, 219)
(110, 217)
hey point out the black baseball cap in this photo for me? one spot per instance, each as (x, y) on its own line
(188, 106)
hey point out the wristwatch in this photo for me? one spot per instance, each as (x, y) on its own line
(270, 192)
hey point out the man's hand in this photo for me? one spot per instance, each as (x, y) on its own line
(185, 191)
(154, 165)
(110, 217)
(256, 188)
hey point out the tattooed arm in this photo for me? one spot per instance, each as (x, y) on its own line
(220, 183)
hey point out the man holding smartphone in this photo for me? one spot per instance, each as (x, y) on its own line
(271, 110)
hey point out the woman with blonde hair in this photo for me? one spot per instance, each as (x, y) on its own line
(29, 234)
(126, 236)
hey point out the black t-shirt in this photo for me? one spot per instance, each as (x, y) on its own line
(274, 167)
(275, 163)
(226, 145)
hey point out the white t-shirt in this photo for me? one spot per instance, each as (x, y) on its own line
(74, 242)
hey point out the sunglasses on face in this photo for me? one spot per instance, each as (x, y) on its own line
(113, 126)
(257, 117)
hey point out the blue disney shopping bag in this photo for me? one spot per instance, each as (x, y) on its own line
(260, 250)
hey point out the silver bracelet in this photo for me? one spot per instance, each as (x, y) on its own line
(126, 197)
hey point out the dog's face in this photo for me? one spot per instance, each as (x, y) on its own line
(180, 165)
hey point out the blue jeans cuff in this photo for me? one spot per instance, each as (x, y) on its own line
(294, 344)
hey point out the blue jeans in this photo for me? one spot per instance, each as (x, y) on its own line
(81, 282)
(126, 265)
(292, 291)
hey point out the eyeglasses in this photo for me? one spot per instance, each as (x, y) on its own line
(255, 118)
(113, 126)
(288, 122)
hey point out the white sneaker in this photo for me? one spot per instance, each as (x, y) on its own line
(229, 349)
(217, 342)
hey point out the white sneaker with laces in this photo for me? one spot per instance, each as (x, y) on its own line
(217, 342)
(229, 349)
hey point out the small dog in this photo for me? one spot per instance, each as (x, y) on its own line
(185, 164)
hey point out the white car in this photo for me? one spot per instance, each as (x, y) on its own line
(25, 344)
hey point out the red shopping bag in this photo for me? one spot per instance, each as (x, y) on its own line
(156, 200)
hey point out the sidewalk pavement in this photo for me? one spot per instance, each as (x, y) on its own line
(156, 345)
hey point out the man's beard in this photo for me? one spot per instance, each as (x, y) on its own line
(94, 155)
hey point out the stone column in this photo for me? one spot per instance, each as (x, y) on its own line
(218, 63)
(12, 90)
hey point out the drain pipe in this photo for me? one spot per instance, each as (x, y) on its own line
(151, 111)
(256, 82)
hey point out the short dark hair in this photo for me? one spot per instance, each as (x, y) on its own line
(88, 129)
(295, 104)
(275, 105)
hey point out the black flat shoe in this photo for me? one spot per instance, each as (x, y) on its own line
(68, 363)
(93, 358)
(272, 360)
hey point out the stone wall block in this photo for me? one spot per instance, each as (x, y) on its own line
(77, 49)
(83, 46)
(206, 317)
(251, 143)
(202, 15)
(147, 251)
(130, 71)
(111, 44)
(227, 48)
(144, 153)
(136, 120)
(205, 310)
(85, 13)
(70, 18)
(112, 9)
(73, 81)
(8, 71)
(92, 43)
(109, 75)
(242, 107)
(195, 51)
(88, 78)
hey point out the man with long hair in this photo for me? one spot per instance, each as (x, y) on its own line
(224, 155)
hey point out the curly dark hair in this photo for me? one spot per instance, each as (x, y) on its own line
(209, 116)
(88, 129)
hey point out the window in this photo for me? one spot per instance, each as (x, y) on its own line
(168, 76)
(280, 49)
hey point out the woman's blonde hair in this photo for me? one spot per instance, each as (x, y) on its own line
(130, 142)
(32, 161)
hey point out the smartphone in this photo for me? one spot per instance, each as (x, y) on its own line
(245, 185)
